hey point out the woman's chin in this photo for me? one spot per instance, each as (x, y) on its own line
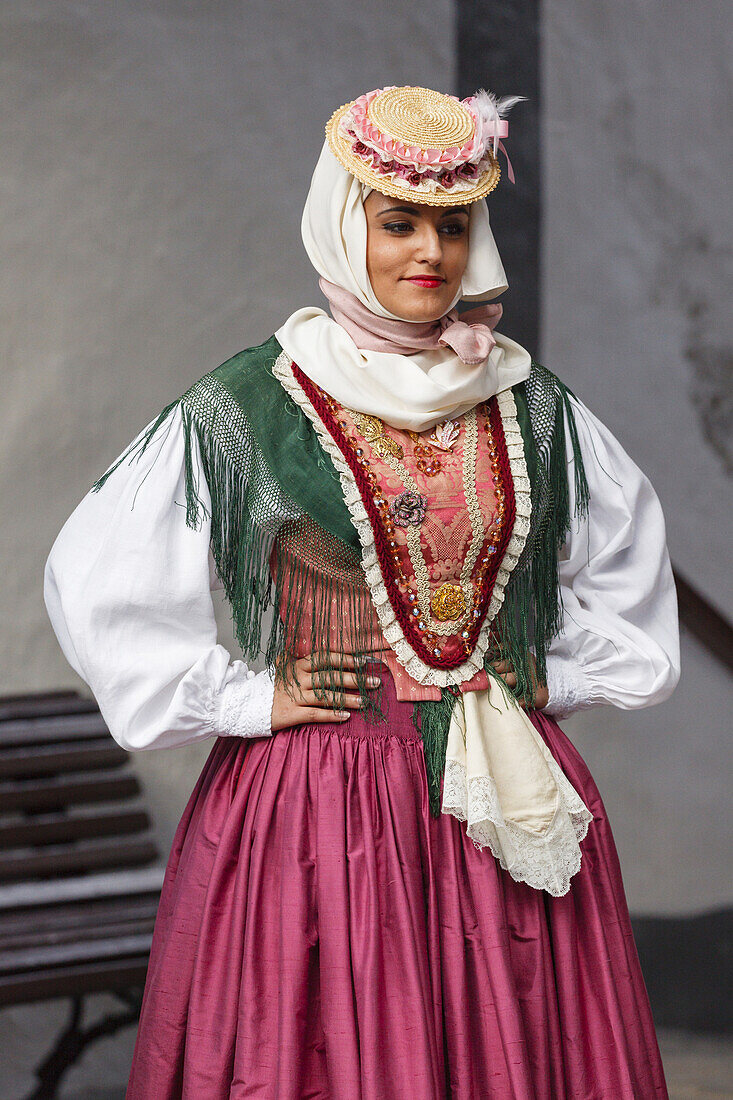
(420, 312)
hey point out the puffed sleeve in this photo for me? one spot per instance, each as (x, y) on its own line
(620, 641)
(128, 590)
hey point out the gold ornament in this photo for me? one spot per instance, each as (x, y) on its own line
(372, 429)
(448, 602)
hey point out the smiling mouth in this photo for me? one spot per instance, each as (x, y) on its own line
(430, 282)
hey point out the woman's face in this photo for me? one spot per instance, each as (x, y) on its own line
(416, 255)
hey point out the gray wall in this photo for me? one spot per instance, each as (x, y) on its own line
(637, 319)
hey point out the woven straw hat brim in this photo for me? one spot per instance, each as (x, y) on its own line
(396, 188)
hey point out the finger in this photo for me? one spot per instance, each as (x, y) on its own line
(349, 679)
(501, 666)
(331, 659)
(351, 701)
(317, 714)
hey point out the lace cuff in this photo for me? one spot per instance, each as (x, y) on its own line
(245, 706)
(568, 686)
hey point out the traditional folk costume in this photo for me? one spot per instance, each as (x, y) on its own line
(424, 901)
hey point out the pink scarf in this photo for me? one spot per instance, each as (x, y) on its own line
(470, 336)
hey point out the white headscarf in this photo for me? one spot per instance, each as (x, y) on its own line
(407, 391)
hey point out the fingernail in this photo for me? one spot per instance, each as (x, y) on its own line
(342, 714)
(372, 681)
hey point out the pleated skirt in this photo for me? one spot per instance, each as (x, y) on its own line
(321, 935)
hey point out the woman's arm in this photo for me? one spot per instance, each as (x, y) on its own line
(127, 589)
(620, 642)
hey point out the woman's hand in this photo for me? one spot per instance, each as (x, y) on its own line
(303, 705)
(508, 675)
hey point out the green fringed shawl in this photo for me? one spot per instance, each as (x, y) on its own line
(260, 456)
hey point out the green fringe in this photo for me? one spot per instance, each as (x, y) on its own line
(240, 547)
(241, 550)
(138, 446)
(431, 717)
(297, 583)
(532, 612)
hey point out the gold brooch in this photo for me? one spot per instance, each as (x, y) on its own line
(372, 429)
(448, 602)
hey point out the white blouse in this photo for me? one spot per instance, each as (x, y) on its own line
(128, 590)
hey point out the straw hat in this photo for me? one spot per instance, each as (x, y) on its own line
(421, 145)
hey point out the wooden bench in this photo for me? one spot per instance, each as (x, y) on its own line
(80, 873)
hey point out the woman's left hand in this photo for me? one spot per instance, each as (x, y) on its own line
(508, 675)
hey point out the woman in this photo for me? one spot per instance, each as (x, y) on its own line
(395, 876)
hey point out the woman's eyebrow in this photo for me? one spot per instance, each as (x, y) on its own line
(414, 210)
(401, 209)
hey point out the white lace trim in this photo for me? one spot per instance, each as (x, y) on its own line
(245, 708)
(546, 862)
(393, 633)
(568, 687)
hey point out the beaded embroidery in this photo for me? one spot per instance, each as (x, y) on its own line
(439, 614)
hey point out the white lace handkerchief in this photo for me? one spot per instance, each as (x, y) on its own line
(502, 780)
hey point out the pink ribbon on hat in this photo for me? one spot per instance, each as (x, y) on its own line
(509, 169)
(470, 335)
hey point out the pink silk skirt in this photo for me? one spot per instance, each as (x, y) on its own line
(320, 935)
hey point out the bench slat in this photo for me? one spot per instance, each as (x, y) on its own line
(116, 884)
(58, 828)
(52, 759)
(76, 922)
(123, 930)
(67, 791)
(68, 954)
(66, 981)
(65, 727)
(45, 703)
(19, 865)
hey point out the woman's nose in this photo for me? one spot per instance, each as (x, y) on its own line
(430, 246)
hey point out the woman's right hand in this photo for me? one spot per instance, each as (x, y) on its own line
(303, 705)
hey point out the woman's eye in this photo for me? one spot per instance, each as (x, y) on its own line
(450, 229)
(454, 229)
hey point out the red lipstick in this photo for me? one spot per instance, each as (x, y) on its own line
(428, 281)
